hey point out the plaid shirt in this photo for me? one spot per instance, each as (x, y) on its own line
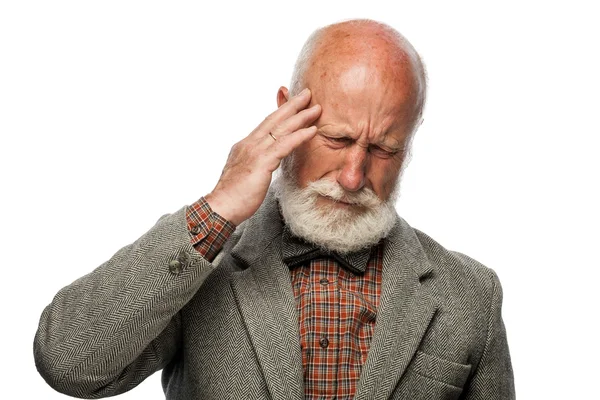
(337, 309)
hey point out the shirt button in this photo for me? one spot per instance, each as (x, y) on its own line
(324, 342)
(195, 230)
(324, 281)
(175, 267)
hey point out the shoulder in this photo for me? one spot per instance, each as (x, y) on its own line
(454, 263)
(459, 276)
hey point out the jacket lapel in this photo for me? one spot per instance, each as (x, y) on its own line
(405, 310)
(265, 299)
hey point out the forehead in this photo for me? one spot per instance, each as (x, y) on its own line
(362, 101)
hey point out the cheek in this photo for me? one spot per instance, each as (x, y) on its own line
(314, 161)
(383, 175)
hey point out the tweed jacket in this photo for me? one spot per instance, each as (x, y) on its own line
(229, 329)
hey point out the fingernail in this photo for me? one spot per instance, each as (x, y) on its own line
(305, 91)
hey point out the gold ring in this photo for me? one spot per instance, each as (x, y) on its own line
(273, 136)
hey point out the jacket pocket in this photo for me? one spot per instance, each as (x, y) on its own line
(441, 370)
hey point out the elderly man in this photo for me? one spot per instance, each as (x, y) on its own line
(310, 287)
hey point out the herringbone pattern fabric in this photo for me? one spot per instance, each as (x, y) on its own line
(229, 329)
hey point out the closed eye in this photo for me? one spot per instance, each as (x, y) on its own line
(383, 153)
(339, 142)
(340, 139)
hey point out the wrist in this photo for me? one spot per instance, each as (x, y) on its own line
(221, 204)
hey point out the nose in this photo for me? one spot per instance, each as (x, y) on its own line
(352, 175)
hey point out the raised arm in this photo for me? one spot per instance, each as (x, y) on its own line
(109, 330)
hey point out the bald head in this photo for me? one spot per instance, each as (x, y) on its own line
(364, 49)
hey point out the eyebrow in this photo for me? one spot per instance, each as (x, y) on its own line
(384, 145)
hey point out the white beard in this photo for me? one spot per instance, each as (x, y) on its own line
(341, 229)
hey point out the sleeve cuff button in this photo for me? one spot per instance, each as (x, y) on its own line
(175, 267)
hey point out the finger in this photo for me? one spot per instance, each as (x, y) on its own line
(296, 121)
(285, 145)
(291, 107)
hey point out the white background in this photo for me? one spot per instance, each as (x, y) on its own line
(113, 113)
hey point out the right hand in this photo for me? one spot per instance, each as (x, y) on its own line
(247, 174)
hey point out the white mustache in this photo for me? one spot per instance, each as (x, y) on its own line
(325, 187)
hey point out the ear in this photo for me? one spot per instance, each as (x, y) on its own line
(282, 96)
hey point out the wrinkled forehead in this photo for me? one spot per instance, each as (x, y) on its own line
(359, 92)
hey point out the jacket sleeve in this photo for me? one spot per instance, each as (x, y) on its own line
(493, 376)
(107, 331)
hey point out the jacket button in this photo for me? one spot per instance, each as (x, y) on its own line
(324, 342)
(175, 267)
(183, 258)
